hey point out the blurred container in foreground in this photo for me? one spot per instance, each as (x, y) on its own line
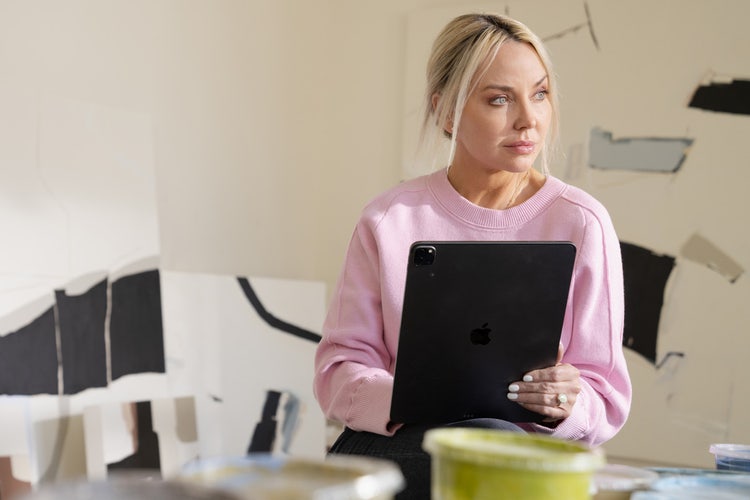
(269, 477)
(734, 457)
(483, 464)
(618, 482)
(702, 485)
(125, 486)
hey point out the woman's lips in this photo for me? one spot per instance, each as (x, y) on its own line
(522, 147)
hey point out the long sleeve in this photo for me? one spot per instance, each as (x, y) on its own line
(353, 380)
(592, 335)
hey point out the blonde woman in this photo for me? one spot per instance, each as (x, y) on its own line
(491, 93)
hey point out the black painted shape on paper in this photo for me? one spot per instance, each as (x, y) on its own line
(136, 333)
(28, 358)
(146, 456)
(265, 430)
(273, 320)
(668, 356)
(82, 345)
(733, 97)
(645, 276)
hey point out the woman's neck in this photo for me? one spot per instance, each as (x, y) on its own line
(498, 190)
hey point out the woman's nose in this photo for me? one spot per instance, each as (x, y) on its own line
(526, 116)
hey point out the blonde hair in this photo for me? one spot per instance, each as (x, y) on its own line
(460, 55)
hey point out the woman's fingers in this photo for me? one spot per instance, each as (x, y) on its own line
(549, 391)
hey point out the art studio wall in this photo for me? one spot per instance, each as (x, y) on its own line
(655, 105)
(240, 138)
(114, 117)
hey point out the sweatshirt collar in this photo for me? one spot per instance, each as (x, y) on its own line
(460, 207)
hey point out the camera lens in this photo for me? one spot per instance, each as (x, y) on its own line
(424, 255)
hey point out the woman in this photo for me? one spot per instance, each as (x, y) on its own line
(492, 93)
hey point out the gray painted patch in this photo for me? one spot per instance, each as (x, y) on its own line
(700, 250)
(650, 154)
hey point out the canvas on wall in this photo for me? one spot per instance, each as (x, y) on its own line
(653, 126)
(104, 356)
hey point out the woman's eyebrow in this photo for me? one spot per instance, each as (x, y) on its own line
(506, 88)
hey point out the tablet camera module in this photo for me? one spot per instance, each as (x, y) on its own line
(424, 255)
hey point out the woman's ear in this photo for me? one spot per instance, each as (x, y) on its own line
(448, 130)
(435, 98)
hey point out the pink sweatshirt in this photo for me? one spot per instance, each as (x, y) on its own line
(355, 361)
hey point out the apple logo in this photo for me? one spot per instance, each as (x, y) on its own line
(481, 335)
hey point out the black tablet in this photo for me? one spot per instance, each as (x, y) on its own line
(476, 317)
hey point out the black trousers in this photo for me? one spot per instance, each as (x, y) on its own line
(405, 449)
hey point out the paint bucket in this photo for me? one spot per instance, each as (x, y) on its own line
(126, 486)
(734, 457)
(488, 464)
(264, 476)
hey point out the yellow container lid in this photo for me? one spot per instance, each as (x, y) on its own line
(511, 450)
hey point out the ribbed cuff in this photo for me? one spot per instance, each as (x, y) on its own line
(371, 406)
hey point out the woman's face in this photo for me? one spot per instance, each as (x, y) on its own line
(506, 118)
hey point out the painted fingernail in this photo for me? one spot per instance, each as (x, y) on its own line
(512, 395)
(513, 388)
(528, 378)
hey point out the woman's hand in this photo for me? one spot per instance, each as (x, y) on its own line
(551, 392)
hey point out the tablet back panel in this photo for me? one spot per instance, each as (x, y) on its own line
(476, 317)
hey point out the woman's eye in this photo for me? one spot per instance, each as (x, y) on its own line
(499, 100)
(541, 95)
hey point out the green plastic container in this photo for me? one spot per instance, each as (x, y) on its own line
(479, 464)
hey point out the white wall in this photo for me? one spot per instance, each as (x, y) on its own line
(274, 120)
(236, 94)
